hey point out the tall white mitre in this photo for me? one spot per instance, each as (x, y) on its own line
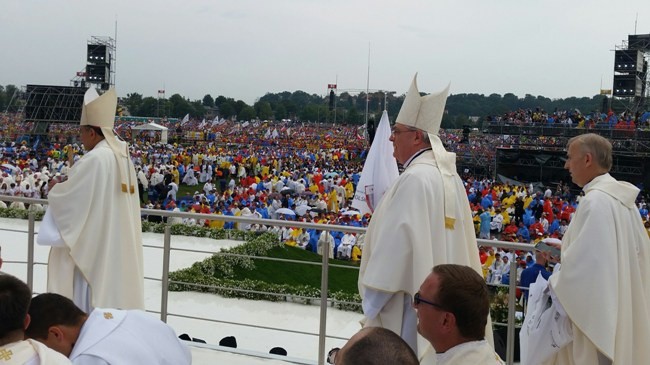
(99, 111)
(425, 113)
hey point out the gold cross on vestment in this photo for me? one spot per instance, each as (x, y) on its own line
(5, 355)
(108, 315)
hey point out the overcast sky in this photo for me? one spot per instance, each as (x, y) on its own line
(245, 48)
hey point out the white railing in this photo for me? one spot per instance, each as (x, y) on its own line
(323, 300)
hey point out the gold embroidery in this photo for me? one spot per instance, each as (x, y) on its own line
(5, 355)
(108, 315)
(449, 223)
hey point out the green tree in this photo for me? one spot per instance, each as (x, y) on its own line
(221, 99)
(3, 99)
(180, 106)
(226, 110)
(247, 113)
(310, 113)
(133, 102)
(208, 101)
(10, 97)
(151, 106)
(291, 108)
(199, 108)
(280, 112)
(353, 116)
(239, 106)
(263, 110)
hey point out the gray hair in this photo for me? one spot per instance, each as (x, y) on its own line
(599, 147)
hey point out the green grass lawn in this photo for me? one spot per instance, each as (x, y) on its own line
(184, 189)
(340, 279)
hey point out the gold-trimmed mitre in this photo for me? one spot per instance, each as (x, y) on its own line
(425, 113)
(99, 111)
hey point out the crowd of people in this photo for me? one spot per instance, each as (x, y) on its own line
(292, 171)
(574, 119)
(311, 183)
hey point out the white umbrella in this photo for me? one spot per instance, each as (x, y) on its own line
(302, 209)
(285, 211)
(9, 167)
(351, 212)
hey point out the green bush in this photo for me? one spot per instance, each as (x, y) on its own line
(19, 213)
(218, 271)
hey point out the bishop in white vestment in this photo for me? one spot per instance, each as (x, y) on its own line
(423, 220)
(93, 219)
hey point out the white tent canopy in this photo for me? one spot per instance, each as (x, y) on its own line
(151, 127)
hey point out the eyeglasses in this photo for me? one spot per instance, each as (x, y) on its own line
(331, 356)
(417, 299)
(396, 131)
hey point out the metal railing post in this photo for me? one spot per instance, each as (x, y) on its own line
(512, 292)
(324, 279)
(30, 251)
(165, 274)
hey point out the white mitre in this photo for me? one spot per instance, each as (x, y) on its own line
(425, 113)
(99, 111)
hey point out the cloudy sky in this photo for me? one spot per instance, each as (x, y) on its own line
(245, 48)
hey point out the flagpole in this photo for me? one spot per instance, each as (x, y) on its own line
(367, 87)
(114, 62)
(337, 85)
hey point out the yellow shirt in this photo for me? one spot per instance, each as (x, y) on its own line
(356, 253)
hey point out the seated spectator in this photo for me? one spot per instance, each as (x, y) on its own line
(15, 297)
(452, 307)
(529, 275)
(374, 346)
(94, 338)
(497, 221)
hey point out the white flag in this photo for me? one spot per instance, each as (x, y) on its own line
(186, 119)
(275, 133)
(379, 172)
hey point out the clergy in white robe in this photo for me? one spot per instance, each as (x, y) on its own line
(105, 336)
(15, 298)
(93, 220)
(423, 220)
(474, 352)
(30, 352)
(605, 263)
(324, 239)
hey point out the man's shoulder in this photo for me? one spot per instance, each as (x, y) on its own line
(420, 173)
(101, 150)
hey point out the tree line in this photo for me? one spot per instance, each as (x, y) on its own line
(346, 108)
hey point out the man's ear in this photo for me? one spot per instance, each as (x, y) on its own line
(27, 320)
(589, 159)
(55, 333)
(449, 322)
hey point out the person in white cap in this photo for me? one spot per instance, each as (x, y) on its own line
(93, 218)
(422, 221)
(603, 286)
